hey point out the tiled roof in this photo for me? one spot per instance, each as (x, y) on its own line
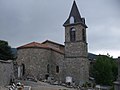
(32, 44)
(39, 45)
(52, 42)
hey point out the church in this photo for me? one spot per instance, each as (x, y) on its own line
(63, 63)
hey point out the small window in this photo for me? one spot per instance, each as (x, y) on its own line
(72, 20)
(48, 68)
(23, 68)
(57, 69)
(72, 35)
(83, 35)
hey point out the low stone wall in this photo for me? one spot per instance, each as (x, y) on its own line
(6, 72)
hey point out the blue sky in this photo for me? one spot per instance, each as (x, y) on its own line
(24, 21)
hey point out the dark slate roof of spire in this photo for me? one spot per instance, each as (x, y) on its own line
(77, 17)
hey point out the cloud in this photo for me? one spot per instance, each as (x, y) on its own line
(23, 21)
(105, 36)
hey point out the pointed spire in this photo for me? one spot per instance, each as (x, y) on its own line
(75, 12)
(74, 16)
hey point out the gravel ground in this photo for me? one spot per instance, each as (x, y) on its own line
(43, 86)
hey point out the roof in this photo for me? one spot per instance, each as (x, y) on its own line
(32, 44)
(52, 42)
(77, 17)
(39, 45)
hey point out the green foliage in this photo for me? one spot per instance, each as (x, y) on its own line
(5, 51)
(112, 88)
(104, 70)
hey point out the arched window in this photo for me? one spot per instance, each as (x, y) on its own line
(72, 20)
(57, 69)
(72, 35)
(83, 35)
(23, 69)
(48, 68)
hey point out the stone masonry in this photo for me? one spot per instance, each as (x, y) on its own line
(50, 59)
(76, 63)
(36, 61)
(6, 72)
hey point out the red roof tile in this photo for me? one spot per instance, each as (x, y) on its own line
(39, 45)
(32, 44)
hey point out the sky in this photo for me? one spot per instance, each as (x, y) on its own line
(25, 21)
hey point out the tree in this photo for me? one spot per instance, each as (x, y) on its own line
(5, 51)
(104, 70)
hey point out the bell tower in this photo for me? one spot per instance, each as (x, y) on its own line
(76, 61)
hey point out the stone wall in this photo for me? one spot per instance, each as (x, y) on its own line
(54, 45)
(77, 68)
(76, 49)
(6, 72)
(36, 61)
(76, 64)
(57, 61)
(79, 32)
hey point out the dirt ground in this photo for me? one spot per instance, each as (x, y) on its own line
(44, 86)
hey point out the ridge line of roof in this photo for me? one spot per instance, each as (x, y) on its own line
(52, 42)
(40, 45)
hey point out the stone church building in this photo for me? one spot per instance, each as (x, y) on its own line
(65, 63)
